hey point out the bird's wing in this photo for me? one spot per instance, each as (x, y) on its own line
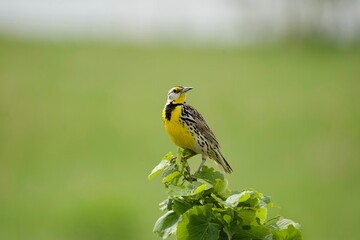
(200, 123)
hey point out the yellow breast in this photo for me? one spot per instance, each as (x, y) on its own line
(178, 130)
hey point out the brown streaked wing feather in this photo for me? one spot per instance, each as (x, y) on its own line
(201, 125)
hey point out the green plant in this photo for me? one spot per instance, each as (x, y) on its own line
(203, 207)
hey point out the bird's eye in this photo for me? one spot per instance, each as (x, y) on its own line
(174, 91)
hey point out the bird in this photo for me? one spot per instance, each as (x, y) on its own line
(189, 130)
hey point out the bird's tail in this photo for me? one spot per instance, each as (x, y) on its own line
(219, 158)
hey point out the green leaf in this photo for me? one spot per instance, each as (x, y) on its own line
(237, 198)
(191, 189)
(240, 227)
(168, 156)
(290, 233)
(164, 205)
(221, 188)
(219, 200)
(248, 216)
(166, 224)
(197, 223)
(266, 200)
(227, 218)
(252, 232)
(188, 189)
(233, 227)
(285, 229)
(283, 223)
(158, 169)
(170, 168)
(209, 175)
(200, 189)
(261, 214)
(244, 196)
(177, 191)
(171, 176)
(187, 153)
(180, 206)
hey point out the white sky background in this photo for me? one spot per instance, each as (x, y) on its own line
(210, 21)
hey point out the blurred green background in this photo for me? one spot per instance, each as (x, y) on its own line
(81, 129)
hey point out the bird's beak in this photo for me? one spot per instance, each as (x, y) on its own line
(185, 89)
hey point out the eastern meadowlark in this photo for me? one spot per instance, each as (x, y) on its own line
(188, 129)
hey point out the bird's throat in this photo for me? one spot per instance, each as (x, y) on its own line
(169, 108)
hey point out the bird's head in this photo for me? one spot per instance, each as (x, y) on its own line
(177, 95)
